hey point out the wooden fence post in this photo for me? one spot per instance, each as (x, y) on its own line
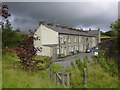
(68, 80)
(51, 71)
(85, 78)
(62, 77)
(55, 78)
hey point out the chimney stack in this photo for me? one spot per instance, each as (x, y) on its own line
(89, 29)
(58, 25)
(50, 24)
(42, 22)
(98, 29)
(64, 26)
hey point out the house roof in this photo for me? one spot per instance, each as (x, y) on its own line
(93, 32)
(68, 31)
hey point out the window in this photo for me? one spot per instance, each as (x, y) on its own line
(57, 50)
(62, 49)
(69, 49)
(75, 39)
(79, 39)
(65, 38)
(72, 48)
(76, 47)
(69, 39)
(86, 39)
(61, 40)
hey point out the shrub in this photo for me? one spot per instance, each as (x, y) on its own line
(72, 64)
(27, 53)
(77, 61)
(85, 61)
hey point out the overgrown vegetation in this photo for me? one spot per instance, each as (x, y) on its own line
(10, 37)
(105, 36)
(18, 78)
(56, 67)
(100, 73)
(27, 54)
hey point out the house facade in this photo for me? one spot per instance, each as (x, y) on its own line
(59, 41)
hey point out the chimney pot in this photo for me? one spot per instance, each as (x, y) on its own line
(89, 29)
(42, 22)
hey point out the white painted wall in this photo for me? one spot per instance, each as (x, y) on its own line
(46, 36)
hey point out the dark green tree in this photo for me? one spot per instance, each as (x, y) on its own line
(116, 37)
(116, 30)
(10, 37)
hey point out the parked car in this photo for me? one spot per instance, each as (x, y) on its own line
(96, 48)
(87, 51)
(95, 52)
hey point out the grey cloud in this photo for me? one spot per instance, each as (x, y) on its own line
(85, 14)
(119, 9)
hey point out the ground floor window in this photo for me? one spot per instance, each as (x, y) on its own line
(57, 50)
(62, 49)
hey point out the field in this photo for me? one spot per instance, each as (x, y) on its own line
(105, 36)
(97, 77)
(17, 78)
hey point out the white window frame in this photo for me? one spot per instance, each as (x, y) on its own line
(65, 38)
(75, 39)
(61, 40)
(79, 38)
(69, 39)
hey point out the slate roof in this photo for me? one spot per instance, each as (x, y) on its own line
(68, 31)
(93, 32)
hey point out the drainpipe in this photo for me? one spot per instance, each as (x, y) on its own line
(59, 42)
(78, 43)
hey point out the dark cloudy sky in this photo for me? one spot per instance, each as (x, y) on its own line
(26, 15)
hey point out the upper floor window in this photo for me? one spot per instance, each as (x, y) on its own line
(79, 39)
(65, 38)
(75, 39)
(86, 39)
(69, 39)
(61, 39)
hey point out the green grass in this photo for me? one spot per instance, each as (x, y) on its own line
(97, 77)
(17, 78)
(56, 67)
(0, 74)
(105, 36)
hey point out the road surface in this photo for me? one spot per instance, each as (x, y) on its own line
(66, 62)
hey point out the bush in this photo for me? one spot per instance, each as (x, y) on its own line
(79, 64)
(76, 78)
(72, 64)
(108, 64)
(85, 61)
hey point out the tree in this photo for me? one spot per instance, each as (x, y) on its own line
(10, 38)
(17, 30)
(116, 37)
(27, 52)
(108, 33)
(116, 29)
